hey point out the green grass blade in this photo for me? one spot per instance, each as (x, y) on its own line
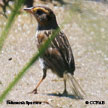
(28, 65)
(17, 6)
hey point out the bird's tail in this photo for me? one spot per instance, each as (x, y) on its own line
(76, 88)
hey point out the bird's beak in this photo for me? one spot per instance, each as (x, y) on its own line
(30, 10)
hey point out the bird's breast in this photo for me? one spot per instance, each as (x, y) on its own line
(41, 37)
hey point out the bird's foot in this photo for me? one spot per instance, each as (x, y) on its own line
(65, 92)
(34, 91)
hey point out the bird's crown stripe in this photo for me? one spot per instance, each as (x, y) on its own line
(43, 9)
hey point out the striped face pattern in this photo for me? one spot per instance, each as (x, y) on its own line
(58, 57)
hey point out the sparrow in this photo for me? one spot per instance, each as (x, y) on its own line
(58, 57)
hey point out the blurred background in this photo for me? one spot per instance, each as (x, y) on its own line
(85, 23)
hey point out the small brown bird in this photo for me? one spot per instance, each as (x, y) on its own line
(58, 57)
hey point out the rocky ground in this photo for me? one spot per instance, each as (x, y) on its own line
(86, 28)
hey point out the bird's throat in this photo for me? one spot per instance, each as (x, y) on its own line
(47, 26)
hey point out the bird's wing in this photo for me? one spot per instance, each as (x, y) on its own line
(64, 48)
(59, 54)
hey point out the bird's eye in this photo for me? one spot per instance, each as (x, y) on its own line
(39, 12)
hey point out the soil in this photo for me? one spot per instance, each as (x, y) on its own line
(86, 29)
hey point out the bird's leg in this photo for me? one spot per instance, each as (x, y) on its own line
(44, 75)
(65, 91)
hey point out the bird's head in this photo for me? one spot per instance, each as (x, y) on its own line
(45, 17)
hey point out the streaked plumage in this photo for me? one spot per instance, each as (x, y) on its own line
(58, 57)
